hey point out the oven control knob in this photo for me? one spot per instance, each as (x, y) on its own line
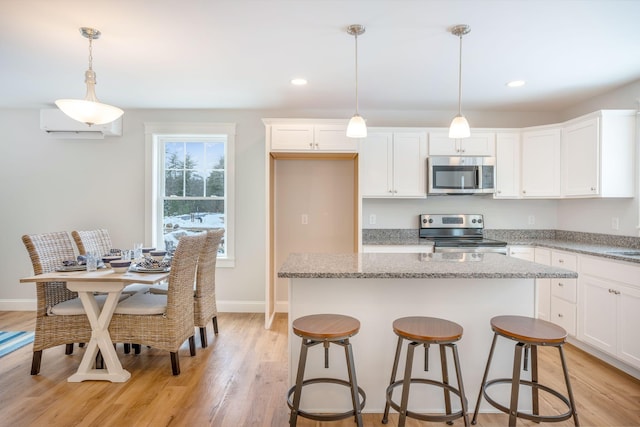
(430, 220)
(473, 221)
(479, 220)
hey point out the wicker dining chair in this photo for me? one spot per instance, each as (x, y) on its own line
(204, 298)
(99, 241)
(160, 321)
(47, 251)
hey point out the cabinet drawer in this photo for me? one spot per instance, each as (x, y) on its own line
(563, 313)
(564, 260)
(565, 289)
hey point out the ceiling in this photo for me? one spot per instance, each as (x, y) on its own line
(243, 53)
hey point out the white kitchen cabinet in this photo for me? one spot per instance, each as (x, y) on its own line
(609, 307)
(480, 143)
(522, 252)
(597, 155)
(563, 293)
(398, 249)
(393, 164)
(507, 165)
(540, 163)
(543, 286)
(306, 136)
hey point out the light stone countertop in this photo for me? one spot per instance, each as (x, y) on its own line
(600, 245)
(415, 266)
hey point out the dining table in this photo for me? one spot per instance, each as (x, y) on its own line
(87, 284)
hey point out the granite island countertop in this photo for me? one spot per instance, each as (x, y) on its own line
(415, 266)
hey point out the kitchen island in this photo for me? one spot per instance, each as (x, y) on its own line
(377, 288)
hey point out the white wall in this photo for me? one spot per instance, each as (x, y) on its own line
(52, 185)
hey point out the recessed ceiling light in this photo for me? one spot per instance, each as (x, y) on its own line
(516, 83)
(298, 82)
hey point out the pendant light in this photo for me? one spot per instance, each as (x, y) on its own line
(89, 110)
(459, 126)
(357, 128)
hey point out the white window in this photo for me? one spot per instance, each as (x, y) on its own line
(190, 183)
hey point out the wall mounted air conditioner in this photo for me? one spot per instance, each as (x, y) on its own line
(59, 125)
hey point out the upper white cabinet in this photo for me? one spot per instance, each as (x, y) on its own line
(507, 165)
(290, 135)
(540, 163)
(480, 143)
(598, 155)
(393, 164)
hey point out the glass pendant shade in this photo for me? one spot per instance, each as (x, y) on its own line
(357, 127)
(459, 127)
(89, 110)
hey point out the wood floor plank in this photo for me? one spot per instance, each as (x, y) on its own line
(240, 379)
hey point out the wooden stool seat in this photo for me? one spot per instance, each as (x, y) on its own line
(324, 330)
(528, 330)
(425, 331)
(429, 329)
(326, 326)
(529, 333)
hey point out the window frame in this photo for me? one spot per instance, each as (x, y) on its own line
(154, 158)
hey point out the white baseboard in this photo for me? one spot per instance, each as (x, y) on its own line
(223, 306)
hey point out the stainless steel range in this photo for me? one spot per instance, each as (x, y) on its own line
(458, 233)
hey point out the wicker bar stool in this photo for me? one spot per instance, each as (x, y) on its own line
(426, 331)
(528, 333)
(326, 329)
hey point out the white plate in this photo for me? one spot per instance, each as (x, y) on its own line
(137, 269)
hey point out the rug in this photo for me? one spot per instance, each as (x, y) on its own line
(10, 341)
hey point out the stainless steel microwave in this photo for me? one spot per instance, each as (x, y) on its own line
(461, 175)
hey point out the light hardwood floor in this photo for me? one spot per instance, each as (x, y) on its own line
(241, 380)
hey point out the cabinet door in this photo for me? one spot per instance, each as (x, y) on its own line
(580, 154)
(333, 138)
(409, 164)
(563, 313)
(598, 314)
(507, 166)
(543, 286)
(478, 144)
(522, 252)
(376, 161)
(441, 145)
(628, 300)
(292, 137)
(541, 164)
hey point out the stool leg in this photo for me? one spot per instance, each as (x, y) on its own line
(484, 379)
(394, 371)
(569, 391)
(463, 398)
(406, 384)
(299, 378)
(515, 384)
(445, 380)
(534, 379)
(355, 397)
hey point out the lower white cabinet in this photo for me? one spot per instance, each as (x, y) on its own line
(563, 293)
(609, 312)
(404, 249)
(521, 252)
(543, 286)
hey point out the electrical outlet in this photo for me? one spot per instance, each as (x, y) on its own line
(532, 219)
(615, 223)
(305, 219)
(372, 219)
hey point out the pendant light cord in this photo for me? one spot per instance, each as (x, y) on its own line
(460, 79)
(356, 36)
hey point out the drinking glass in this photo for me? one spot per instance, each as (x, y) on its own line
(137, 251)
(126, 254)
(92, 261)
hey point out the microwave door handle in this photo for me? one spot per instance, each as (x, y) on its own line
(478, 183)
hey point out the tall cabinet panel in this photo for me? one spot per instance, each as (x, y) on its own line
(541, 163)
(393, 164)
(507, 165)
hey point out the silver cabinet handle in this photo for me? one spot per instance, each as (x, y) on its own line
(561, 261)
(560, 284)
(560, 315)
(524, 191)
